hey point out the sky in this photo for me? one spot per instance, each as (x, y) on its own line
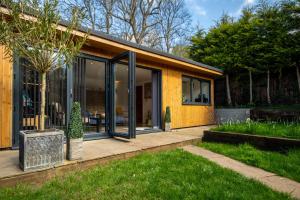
(206, 12)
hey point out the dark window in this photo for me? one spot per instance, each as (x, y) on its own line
(195, 91)
(186, 90)
(30, 98)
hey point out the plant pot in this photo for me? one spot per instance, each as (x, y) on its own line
(41, 149)
(75, 148)
(167, 127)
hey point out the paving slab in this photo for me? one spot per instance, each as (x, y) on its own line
(99, 151)
(272, 180)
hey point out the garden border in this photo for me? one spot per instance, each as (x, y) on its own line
(263, 142)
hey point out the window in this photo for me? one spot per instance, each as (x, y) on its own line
(186, 90)
(195, 91)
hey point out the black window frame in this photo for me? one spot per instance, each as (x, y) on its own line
(191, 92)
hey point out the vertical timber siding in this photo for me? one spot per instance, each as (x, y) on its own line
(184, 115)
(5, 100)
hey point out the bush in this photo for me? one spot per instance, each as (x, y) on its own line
(168, 115)
(75, 128)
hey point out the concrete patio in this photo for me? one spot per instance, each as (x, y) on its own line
(98, 152)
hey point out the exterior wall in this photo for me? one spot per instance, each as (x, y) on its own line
(181, 115)
(6, 77)
(184, 115)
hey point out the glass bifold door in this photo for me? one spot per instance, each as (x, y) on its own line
(116, 97)
(105, 90)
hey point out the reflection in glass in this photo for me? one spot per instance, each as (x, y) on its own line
(205, 92)
(144, 99)
(89, 90)
(196, 90)
(121, 98)
(186, 90)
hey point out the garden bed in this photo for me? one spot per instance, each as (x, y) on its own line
(264, 142)
(284, 164)
(274, 129)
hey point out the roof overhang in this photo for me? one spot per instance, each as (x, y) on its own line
(115, 45)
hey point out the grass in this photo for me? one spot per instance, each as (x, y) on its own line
(287, 130)
(168, 175)
(282, 164)
(290, 107)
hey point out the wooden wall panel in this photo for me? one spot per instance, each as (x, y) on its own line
(184, 115)
(6, 92)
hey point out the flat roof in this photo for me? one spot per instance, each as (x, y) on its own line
(108, 37)
(144, 48)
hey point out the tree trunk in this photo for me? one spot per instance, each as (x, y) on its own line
(228, 90)
(268, 87)
(298, 76)
(250, 85)
(43, 101)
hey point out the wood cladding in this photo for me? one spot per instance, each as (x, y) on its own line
(6, 77)
(184, 115)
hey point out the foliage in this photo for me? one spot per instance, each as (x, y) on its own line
(38, 38)
(167, 175)
(286, 165)
(264, 39)
(168, 115)
(75, 128)
(30, 29)
(288, 130)
(181, 50)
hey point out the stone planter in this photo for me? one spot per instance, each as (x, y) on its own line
(75, 148)
(167, 127)
(41, 149)
(225, 115)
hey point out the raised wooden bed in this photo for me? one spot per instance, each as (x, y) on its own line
(264, 142)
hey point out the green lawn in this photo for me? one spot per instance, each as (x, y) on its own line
(282, 164)
(168, 175)
(288, 130)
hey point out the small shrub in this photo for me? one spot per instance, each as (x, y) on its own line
(168, 115)
(75, 129)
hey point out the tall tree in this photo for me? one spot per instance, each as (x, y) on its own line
(107, 8)
(174, 23)
(218, 48)
(89, 7)
(246, 45)
(140, 16)
(268, 57)
(290, 15)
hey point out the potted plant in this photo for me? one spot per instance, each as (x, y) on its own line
(30, 30)
(75, 134)
(168, 119)
(149, 118)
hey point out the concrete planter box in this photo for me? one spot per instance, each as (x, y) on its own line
(75, 148)
(167, 127)
(41, 149)
(263, 142)
(224, 115)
